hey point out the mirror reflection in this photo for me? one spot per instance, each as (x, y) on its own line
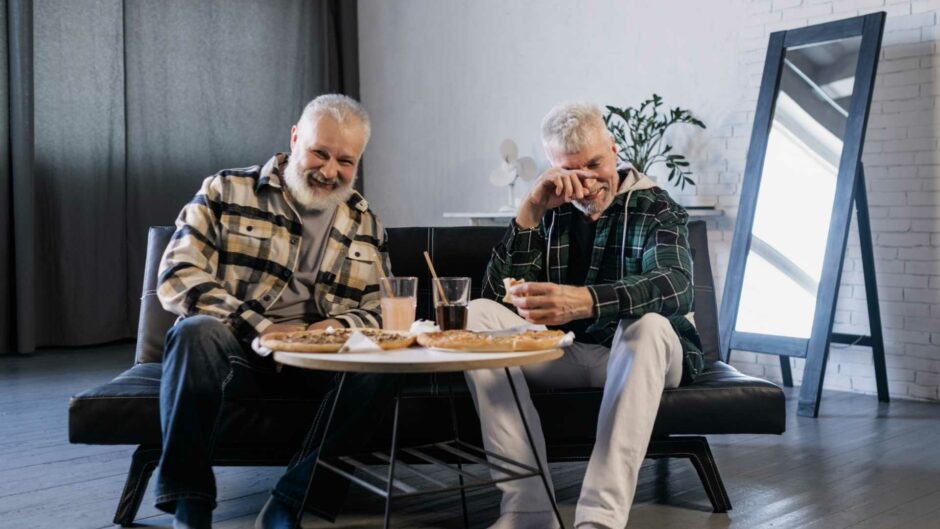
(797, 189)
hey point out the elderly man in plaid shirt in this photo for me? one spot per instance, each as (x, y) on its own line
(604, 254)
(289, 245)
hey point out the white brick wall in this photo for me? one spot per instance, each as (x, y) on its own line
(903, 177)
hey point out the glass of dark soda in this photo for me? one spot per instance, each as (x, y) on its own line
(451, 295)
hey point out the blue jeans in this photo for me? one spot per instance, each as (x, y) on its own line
(203, 365)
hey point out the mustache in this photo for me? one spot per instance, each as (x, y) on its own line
(594, 189)
(318, 177)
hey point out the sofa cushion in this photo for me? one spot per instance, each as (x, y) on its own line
(721, 401)
(126, 410)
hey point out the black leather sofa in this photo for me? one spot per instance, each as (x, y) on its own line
(721, 401)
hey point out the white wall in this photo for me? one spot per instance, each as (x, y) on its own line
(446, 81)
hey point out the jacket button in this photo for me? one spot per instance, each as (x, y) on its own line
(249, 228)
(266, 297)
(357, 254)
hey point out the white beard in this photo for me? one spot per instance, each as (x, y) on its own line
(310, 197)
(592, 207)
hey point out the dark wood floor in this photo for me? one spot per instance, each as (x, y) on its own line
(860, 465)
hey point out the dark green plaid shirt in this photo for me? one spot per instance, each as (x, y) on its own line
(654, 274)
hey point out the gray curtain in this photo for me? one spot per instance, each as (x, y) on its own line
(135, 103)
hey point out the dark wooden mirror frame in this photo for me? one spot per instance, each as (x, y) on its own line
(850, 188)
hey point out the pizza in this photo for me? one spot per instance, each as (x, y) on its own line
(489, 342)
(509, 282)
(332, 340)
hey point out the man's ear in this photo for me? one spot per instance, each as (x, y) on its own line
(293, 137)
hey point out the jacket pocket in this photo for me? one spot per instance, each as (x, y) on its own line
(358, 272)
(362, 252)
(244, 235)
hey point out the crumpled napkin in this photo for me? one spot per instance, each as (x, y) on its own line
(258, 348)
(423, 326)
(359, 343)
(566, 340)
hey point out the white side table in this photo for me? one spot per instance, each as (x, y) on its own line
(423, 360)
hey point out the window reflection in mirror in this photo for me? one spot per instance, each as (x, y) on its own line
(797, 190)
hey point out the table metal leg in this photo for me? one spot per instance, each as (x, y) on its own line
(391, 462)
(453, 423)
(316, 461)
(538, 461)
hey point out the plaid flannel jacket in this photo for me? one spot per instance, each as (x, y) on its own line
(655, 274)
(237, 245)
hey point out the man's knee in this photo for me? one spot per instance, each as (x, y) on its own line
(486, 314)
(197, 330)
(197, 327)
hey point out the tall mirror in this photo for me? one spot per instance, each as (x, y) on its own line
(802, 178)
(797, 189)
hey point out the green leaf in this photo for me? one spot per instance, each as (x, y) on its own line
(639, 132)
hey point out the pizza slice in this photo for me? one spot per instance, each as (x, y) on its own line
(482, 342)
(331, 341)
(509, 282)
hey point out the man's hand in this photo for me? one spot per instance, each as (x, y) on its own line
(283, 327)
(554, 187)
(336, 324)
(552, 304)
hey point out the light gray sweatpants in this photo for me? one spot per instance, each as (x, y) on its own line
(645, 357)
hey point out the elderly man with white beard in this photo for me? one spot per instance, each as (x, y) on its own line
(289, 245)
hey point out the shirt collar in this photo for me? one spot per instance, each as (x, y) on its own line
(272, 170)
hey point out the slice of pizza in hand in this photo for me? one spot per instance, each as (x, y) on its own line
(509, 282)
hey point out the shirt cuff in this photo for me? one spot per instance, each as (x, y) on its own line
(347, 320)
(246, 324)
(519, 239)
(606, 305)
(359, 318)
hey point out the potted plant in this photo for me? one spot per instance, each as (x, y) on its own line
(639, 135)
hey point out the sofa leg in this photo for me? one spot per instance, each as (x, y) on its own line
(145, 459)
(696, 450)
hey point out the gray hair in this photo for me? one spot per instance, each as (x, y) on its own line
(568, 127)
(338, 107)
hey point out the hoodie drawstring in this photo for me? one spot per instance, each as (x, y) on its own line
(623, 240)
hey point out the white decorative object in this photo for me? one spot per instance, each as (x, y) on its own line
(512, 169)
